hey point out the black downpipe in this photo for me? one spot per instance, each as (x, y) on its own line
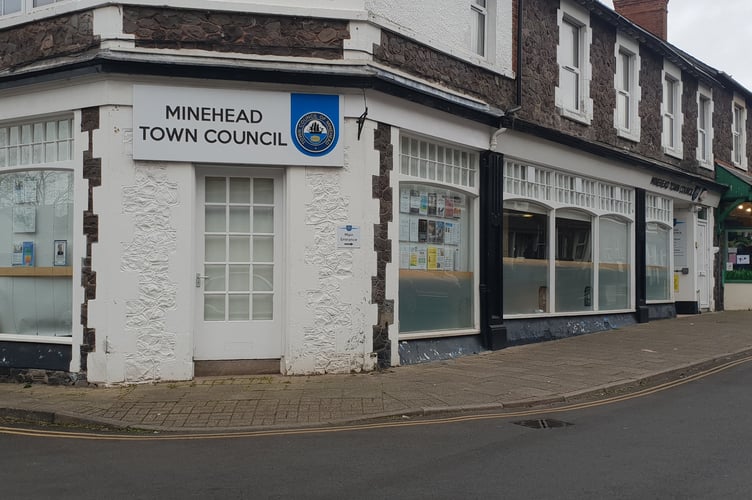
(493, 331)
(520, 3)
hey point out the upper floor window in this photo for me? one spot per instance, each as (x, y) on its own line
(478, 27)
(573, 55)
(10, 6)
(705, 127)
(671, 110)
(15, 6)
(627, 85)
(739, 136)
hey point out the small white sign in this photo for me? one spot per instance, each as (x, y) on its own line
(742, 259)
(348, 236)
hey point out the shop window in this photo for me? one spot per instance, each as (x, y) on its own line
(739, 249)
(614, 264)
(436, 274)
(35, 252)
(574, 261)
(525, 247)
(657, 263)
(36, 143)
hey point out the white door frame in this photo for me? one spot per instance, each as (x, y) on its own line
(226, 340)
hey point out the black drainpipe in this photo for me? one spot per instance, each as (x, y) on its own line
(519, 52)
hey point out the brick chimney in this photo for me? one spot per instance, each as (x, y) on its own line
(651, 15)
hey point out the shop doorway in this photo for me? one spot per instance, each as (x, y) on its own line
(703, 282)
(238, 273)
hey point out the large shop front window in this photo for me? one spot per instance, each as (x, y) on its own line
(567, 246)
(436, 283)
(36, 210)
(658, 239)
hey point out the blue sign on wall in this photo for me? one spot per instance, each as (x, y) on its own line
(314, 121)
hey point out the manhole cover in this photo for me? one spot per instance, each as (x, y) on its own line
(542, 423)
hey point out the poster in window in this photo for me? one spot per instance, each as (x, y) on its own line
(61, 252)
(24, 218)
(17, 259)
(25, 190)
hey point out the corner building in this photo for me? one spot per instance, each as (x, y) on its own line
(214, 189)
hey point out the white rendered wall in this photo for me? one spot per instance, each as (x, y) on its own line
(445, 25)
(737, 297)
(329, 312)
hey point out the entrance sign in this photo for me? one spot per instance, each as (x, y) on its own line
(348, 236)
(251, 127)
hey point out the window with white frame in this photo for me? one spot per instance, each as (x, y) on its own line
(705, 127)
(671, 109)
(566, 242)
(8, 7)
(436, 271)
(479, 25)
(738, 133)
(36, 228)
(658, 246)
(627, 85)
(572, 95)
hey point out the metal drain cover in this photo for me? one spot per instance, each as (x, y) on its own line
(542, 423)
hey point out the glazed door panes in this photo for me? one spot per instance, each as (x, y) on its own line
(240, 281)
(239, 249)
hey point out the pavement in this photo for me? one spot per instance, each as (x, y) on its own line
(583, 367)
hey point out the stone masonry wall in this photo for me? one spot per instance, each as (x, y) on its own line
(46, 38)
(432, 65)
(382, 191)
(164, 28)
(723, 142)
(541, 75)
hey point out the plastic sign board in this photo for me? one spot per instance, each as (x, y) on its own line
(252, 127)
(348, 236)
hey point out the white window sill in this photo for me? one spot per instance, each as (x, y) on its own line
(576, 116)
(36, 339)
(676, 153)
(626, 134)
(437, 334)
(705, 164)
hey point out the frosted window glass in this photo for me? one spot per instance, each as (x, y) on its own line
(240, 190)
(240, 220)
(239, 307)
(215, 220)
(240, 248)
(215, 278)
(613, 270)
(214, 307)
(263, 220)
(263, 306)
(263, 249)
(240, 278)
(50, 151)
(263, 191)
(263, 278)
(214, 249)
(215, 189)
(64, 129)
(3, 137)
(51, 128)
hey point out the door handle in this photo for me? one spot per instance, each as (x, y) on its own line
(199, 277)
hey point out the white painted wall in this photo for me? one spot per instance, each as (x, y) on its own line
(445, 25)
(737, 296)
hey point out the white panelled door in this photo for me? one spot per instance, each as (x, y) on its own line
(703, 269)
(238, 273)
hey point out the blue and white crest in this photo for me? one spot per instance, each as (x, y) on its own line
(314, 123)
